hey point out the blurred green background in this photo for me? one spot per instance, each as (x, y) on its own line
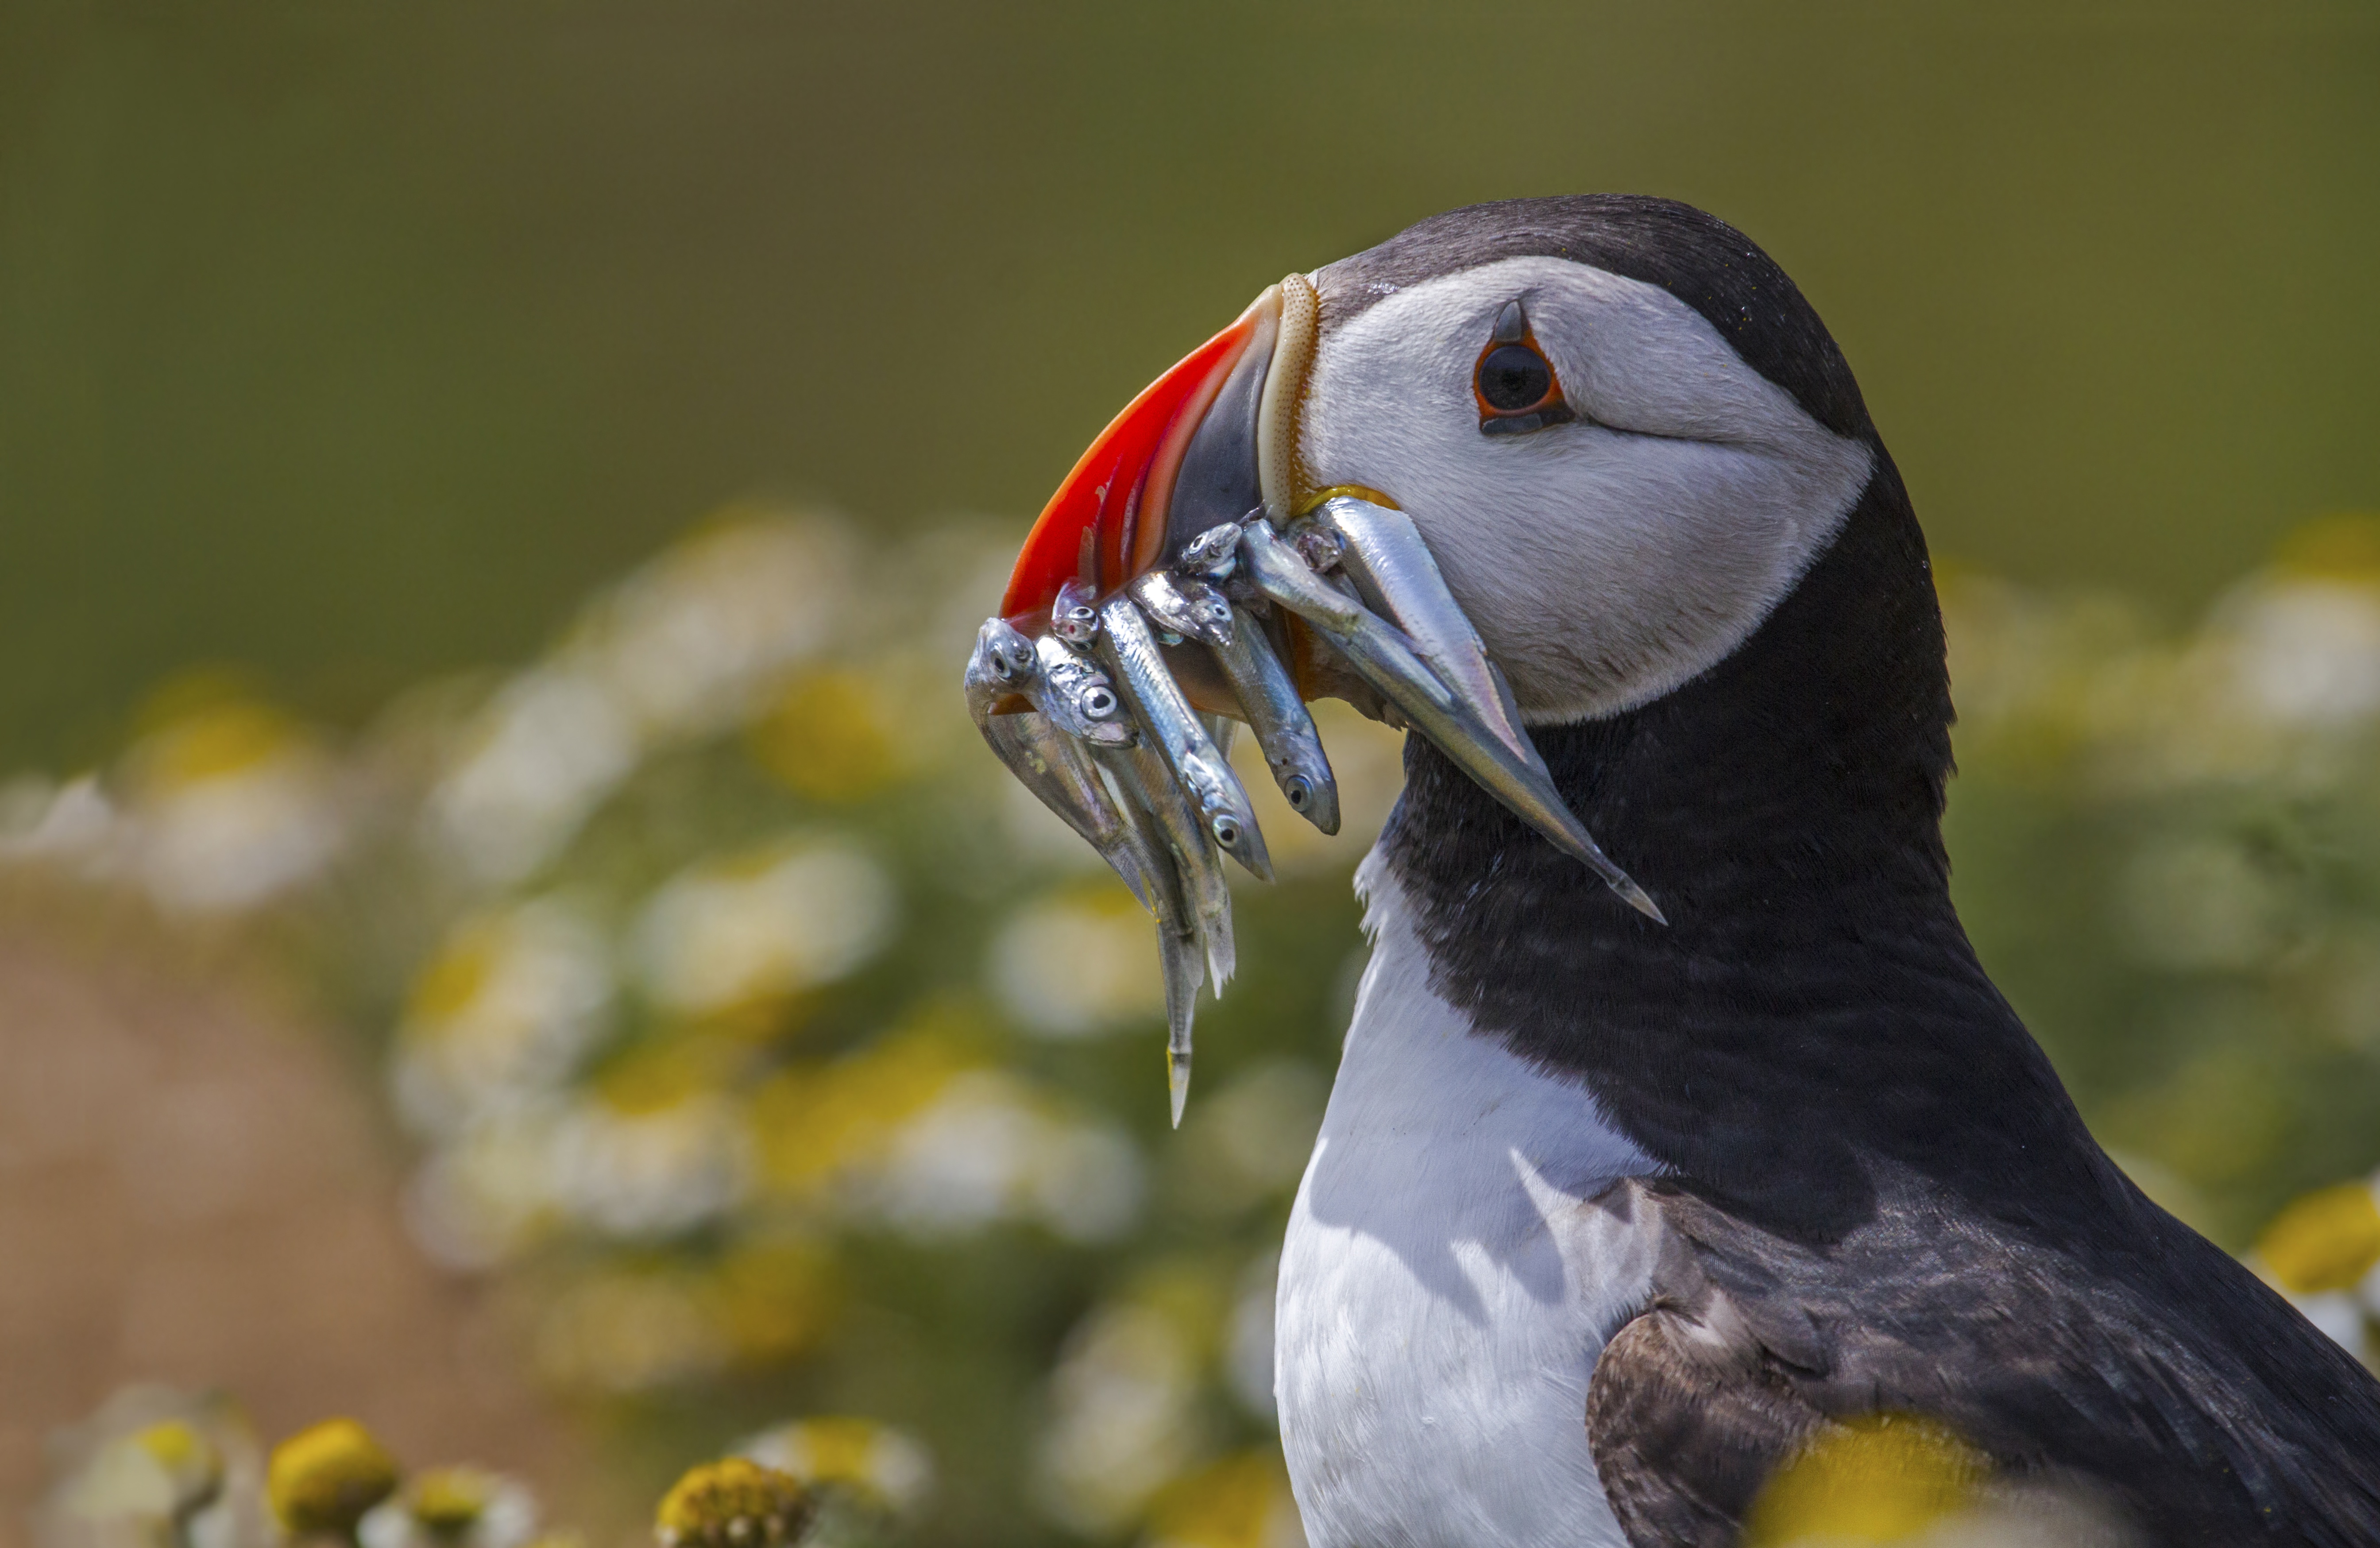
(351, 342)
(420, 593)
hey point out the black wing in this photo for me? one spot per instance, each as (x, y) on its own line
(2157, 1372)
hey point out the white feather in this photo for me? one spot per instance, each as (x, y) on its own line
(1602, 566)
(1447, 1285)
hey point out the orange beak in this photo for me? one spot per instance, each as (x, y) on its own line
(1180, 459)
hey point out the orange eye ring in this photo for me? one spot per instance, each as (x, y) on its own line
(1514, 386)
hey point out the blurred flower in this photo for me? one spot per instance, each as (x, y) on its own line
(649, 1171)
(681, 649)
(1250, 1140)
(322, 1480)
(690, 642)
(227, 804)
(2308, 651)
(775, 1299)
(2323, 1252)
(815, 1123)
(988, 1148)
(1241, 1501)
(1124, 1415)
(502, 1013)
(41, 819)
(885, 1469)
(1877, 1480)
(831, 735)
(2324, 1240)
(156, 1468)
(764, 924)
(538, 759)
(733, 1503)
(628, 1328)
(488, 1192)
(916, 1134)
(452, 1507)
(1079, 963)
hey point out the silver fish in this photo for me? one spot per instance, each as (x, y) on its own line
(1078, 696)
(1165, 718)
(1185, 605)
(1214, 555)
(1147, 783)
(1387, 660)
(1053, 766)
(1381, 551)
(1074, 616)
(1277, 718)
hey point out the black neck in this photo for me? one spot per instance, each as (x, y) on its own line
(1813, 1004)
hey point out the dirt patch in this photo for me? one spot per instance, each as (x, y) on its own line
(194, 1192)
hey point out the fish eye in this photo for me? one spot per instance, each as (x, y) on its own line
(1227, 832)
(1099, 702)
(1299, 790)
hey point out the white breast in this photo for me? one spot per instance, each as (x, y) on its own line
(1446, 1287)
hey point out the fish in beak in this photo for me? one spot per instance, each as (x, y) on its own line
(1182, 580)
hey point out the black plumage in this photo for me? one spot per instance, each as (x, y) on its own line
(1869, 1160)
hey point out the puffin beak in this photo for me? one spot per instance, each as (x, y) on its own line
(1177, 583)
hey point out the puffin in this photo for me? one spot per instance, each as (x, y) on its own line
(1678, 1126)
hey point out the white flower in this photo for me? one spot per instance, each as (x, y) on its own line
(650, 1173)
(628, 1331)
(782, 919)
(688, 641)
(227, 807)
(890, 1469)
(504, 1011)
(1078, 965)
(541, 757)
(485, 1194)
(452, 1507)
(986, 1149)
(2308, 651)
(1123, 1418)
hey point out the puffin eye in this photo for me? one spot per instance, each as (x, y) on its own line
(1514, 379)
(1514, 382)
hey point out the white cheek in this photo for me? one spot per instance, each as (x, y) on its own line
(1602, 568)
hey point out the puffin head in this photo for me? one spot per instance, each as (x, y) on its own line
(1554, 391)
(1569, 455)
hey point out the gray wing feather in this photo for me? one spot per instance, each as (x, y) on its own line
(2185, 1395)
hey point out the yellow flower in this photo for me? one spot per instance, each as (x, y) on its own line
(776, 1299)
(1878, 1479)
(2341, 547)
(2327, 1240)
(454, 1507)
(733, 1503)
(322, 1480)
(192, 1467)
(812, 1122)
(881, 1468)
(1242, 1501)
(829, 739)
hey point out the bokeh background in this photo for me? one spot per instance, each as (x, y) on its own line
(504, 929)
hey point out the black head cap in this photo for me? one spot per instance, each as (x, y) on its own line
(1698, 258)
